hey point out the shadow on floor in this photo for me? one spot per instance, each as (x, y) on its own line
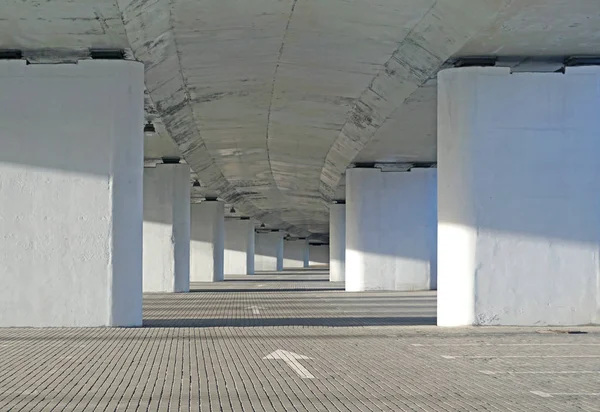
(258, 322)
(276, 280)
(324, 289)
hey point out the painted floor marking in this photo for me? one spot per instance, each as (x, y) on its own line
(504, 344)
(550, 395)
(255, 309)
(291, 359)
(540, 372)
(518, 356)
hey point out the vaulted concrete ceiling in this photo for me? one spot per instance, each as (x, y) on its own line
(269, 101)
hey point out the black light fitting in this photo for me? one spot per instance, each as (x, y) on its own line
(171, 160)
(149, 128)
(107, 54)
(262, 225)
(11, 54)
(232, 210)
(575, 61)
(477, 61)
(196, 183)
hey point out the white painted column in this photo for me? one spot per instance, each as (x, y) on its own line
(390, 230)
(519, 197)
(306, 253)
(268, 254)
(294, 253)
(239, 247)
(318, 255)
(337, 242)
(167, 228)
(71, 166)
(207, 241)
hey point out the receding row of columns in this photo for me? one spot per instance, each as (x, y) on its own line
(507, 228)
(517, 226)
(186, 243)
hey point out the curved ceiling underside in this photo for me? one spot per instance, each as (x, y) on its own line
(269, 101)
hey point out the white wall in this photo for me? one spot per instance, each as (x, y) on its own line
(318, 255)
(167, 228)
(71, 162)
(268, 252)
(207, 241)
(337, 242)
(390, 230)
(239, 247)
(519, 197)
(294, 253)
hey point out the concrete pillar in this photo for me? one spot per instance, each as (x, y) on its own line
(295, 253)
(167, 228)
(239, 247)
(306, 254)
(207, 241)
(71, 167)
(318, 255)
(519, 197)
(268, 254)
(390, 230)
(337, 242)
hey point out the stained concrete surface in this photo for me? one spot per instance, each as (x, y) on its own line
(209, 351)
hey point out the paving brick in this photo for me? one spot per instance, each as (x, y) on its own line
(376, 351)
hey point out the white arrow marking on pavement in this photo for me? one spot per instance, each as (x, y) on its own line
(255, 309)
(291, 359)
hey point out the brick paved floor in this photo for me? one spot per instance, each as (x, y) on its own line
(209, 351)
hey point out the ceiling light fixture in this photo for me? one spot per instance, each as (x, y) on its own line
(262, 225)
(11, 54)
(171, 160)
(232, 210)
(107, 54)
(196, 183)
(149, 128)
